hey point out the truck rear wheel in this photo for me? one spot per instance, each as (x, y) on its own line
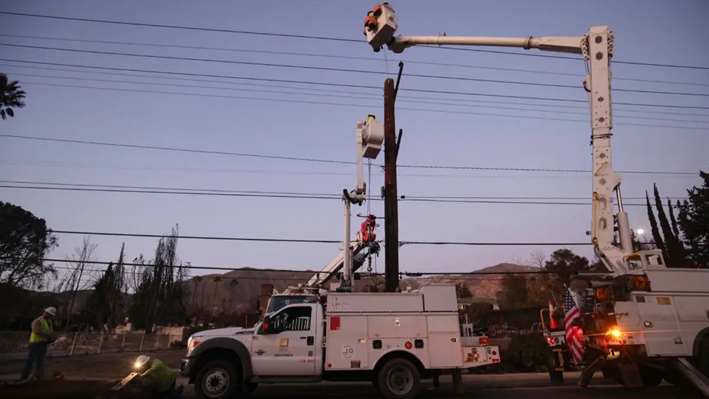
(399, 379)
(556, 377)
(217, 379)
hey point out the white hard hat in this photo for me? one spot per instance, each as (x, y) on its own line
(141, 360)
(51, 310)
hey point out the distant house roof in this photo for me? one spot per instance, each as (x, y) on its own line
(468, 301)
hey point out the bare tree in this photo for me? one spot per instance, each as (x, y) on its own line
(160, 287)
(80, 265)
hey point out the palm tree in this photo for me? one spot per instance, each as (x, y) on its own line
(217, 280)
(10, 96)
(233, 283)
(197, 281)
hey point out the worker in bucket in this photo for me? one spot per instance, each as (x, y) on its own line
(157, 377)
(42, 335)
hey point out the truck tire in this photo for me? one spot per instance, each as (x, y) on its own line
(704, 357)
(399, 379)
(217, 379)
(650, 376)
(556, 377)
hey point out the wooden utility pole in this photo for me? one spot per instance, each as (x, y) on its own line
(391, 210)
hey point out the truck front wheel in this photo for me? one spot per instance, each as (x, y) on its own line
(217, 379)
(399, 379)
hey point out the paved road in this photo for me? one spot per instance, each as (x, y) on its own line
(512, 386)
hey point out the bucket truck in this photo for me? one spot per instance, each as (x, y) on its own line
(649, 321)
(393, 340)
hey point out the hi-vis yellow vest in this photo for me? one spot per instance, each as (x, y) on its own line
(46, 327)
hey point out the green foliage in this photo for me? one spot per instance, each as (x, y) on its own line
(683, 240)
(462, 290)
(477, 313)
(10, 97)
(693, 221)
(514, 294)
(564, 261)
(25, 241)
(527, 351)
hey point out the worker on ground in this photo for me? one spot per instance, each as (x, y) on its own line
(159, 378)
(42, 335)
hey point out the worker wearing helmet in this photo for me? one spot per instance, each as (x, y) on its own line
(158, 377)
(42, 335)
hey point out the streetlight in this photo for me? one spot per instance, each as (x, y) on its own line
(641, 231)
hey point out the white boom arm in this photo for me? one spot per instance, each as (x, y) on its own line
(337, 264)
(596, 47)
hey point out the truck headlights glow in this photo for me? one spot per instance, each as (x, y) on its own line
(615, 333)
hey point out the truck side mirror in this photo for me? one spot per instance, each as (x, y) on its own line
(267, 326)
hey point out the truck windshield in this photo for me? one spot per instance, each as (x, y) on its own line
(278, 302)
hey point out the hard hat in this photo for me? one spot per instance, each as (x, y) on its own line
(141, 360)
(51, 310)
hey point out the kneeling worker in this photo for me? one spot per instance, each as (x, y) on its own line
(158, 377)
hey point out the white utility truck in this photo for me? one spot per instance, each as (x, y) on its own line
(394, 340)
(648, 319)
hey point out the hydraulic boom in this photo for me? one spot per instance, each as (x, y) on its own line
(596, 48)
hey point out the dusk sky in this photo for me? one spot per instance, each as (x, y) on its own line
(210, 113)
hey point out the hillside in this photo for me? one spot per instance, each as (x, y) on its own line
(248, 286)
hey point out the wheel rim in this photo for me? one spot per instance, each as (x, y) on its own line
(216, 382)
(400, 380)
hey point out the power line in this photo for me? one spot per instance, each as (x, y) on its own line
(241, 32)
(335, 84)
(291, 172)
(560, 57)
(307, 241)
(348, 70)
(464, 100)
(285, 196)
(359, 105)
(317, 160)
(351, 95)
(324, 38)
(344, 57)
(335, 196)
(465, 275)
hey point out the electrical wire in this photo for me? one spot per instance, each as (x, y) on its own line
(331, 56)
(313, 241)
(322, 38)
(347, 70)
(288, 196)
(335, 84)
(350, 95)
(472, 275)
(464, 100)
(360, 105)
(336, 196)
(318, 160)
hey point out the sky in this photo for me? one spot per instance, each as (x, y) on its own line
(297, 120)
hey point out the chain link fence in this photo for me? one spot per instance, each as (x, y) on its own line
(13, 344)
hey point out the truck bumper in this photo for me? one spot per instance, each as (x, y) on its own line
(186, 367)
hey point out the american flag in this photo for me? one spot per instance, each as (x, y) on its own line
(574, 339)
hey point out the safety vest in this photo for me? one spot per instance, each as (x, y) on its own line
(160, 375)
(46, 327)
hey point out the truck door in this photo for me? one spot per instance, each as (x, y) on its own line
(290, 351)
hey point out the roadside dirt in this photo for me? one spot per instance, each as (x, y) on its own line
(110, 368)
(106, 365)
(63, 389)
